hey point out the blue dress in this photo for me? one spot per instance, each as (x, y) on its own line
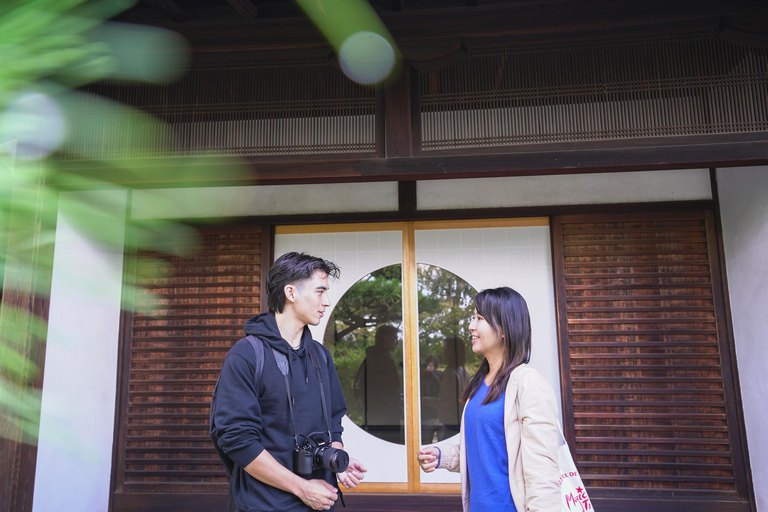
(487, 460)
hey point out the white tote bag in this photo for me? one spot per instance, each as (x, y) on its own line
(572, 491)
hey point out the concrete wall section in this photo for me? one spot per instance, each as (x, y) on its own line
(74, 458)
(744, 210)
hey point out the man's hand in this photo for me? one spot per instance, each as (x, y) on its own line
(318, 494)
(353, 475)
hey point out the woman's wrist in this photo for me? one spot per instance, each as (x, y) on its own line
(439, 456)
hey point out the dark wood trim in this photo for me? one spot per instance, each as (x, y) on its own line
(415, 111)
(379, 119)
(136, 502)
(689, 152)
(729, 369)
(561, 315)
(123, 357)
(406, 195)
(28, 290)
(468, 214)
(397, 115)
(123, 376)
(267, 257)
(668, 505)
(173, 502)
(20, 459)
(121, 404)
(737, 426)
(514, 19)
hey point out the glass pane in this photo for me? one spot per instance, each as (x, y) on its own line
(446, 357)
(366, 332)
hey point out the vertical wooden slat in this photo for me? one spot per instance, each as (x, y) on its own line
(556, 234)
(730, 377)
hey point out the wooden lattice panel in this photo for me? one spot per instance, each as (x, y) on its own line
(279, 107)
(645, 371)
(190, 312)
(654, 85)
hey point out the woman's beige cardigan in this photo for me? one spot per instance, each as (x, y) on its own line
(531, 449)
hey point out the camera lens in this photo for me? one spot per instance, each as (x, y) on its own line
(334, 460)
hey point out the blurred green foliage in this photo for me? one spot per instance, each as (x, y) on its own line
(47, 49)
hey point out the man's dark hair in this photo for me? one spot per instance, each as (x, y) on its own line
(294, 267)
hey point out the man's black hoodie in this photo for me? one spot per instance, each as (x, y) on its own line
(251, 418)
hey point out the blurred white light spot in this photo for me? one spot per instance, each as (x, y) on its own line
(366, 57)
(36, 122)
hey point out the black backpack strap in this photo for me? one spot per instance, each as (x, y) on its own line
(229, 464)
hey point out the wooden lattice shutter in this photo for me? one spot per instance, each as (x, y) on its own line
(649, 402)
(191, 313)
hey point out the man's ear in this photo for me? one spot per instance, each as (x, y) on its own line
(290, 293)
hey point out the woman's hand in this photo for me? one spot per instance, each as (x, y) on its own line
(429, 456)
(353, 475)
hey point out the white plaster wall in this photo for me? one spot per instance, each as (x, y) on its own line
(744, 211)
(74, 456)
(77, 424)
(622, 187)
(268, 200)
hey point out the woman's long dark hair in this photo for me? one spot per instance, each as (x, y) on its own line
(507, 312)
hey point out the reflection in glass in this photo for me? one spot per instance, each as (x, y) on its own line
(363, 335)
(445, 307)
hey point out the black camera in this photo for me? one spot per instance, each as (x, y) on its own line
(317, 453)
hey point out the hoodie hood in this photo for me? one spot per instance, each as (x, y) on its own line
(264, 327)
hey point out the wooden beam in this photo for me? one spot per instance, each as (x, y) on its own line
(169, 9)
(523, 19)
(689, 152)
(397, 5)
(397, 115)
(245, 8)
(406, 194)
(23, 302)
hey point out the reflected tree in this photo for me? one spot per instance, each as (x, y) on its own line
(375, 300)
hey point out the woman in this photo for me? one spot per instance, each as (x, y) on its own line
(509, 435)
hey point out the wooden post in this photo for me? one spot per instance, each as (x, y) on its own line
(21, 303)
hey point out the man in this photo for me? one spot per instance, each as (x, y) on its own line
(379, 387)
(255, 423)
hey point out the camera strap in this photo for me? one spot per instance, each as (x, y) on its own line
(284, 367)
(322, 395)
